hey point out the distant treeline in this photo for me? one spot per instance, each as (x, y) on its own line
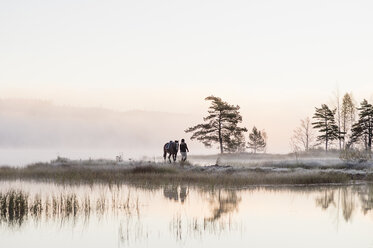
(346, 125)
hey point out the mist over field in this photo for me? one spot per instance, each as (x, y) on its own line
(273, 98)
(37, 126)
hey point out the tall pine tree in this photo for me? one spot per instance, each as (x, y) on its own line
(363, 129)
(325, 123)
(221, 126)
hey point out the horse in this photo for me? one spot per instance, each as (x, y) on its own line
(172, 149)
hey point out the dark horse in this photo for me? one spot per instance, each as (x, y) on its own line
(172, 149)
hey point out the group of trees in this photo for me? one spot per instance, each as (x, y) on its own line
(221, 126)
(328, 126)
(339, 125)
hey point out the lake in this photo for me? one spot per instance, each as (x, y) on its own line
(50, 215)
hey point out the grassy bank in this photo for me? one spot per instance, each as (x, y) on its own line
(159, 173)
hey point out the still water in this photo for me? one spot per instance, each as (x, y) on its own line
(50, 215)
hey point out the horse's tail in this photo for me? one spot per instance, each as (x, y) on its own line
(164, 151)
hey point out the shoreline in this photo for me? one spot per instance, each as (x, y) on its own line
(153, 173)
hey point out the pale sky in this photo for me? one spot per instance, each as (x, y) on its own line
(276, 59)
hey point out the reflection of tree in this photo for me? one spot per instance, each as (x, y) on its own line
(325, 200)
(170, 192)
(345, 200)
(366, 198)
(174, 192)
(348, 204)
(223, 203)
(183, 193)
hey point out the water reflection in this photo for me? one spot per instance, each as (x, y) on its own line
(366, 198)
(17, 206)
(176, 192)
(348, 203)
(325, 199)
(222, 203)
(14, 207)
(178, 212)
(346, 199)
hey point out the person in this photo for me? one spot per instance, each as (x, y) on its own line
(183, 150)
(177, 145)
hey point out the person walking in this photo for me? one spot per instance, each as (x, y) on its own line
(183, 150)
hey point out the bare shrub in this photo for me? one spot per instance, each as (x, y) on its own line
(355, 155)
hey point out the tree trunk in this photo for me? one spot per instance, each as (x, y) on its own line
(326, 133)
(339, 121)
(366, 142)
(370, 139)
(370, 144)
(220, 138)
(344, 131)
(221, 144)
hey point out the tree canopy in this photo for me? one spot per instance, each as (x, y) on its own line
(257, 141)
(325, 123)
(363, 129)
(220, 126)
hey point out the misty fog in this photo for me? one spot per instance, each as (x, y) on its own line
(38, 131)
(41, 129)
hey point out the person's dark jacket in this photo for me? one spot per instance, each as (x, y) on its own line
(183, 147)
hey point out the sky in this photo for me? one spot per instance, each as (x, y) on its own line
(276, 59)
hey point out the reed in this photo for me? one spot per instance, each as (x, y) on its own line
(16, 206)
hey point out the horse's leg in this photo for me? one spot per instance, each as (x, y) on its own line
(174, 157)
(169, 157)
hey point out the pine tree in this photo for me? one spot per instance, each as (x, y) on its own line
(256, 140)
(326, 125)
(221, 126)
(235, 141)
(363, 129)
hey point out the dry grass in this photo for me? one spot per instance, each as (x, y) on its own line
(150, 173)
